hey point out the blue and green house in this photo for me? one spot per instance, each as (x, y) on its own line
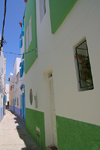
(72, 134)
(22, 73)
(19, 104)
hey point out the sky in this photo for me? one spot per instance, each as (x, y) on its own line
(14, 14)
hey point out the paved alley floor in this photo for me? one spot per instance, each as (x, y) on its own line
(13, 134)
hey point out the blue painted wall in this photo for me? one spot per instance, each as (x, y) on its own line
(18, 111)
(14, 103)
(1, 113)
(22, 69)
(23, 106)
(22, 34)
(11, 108)
(5, 98)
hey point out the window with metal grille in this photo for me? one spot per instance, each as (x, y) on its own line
(83, 66)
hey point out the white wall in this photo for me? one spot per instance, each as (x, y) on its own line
(22, 79)
(7, 93)
(1, 76)
(56, 51)
(17, 91)
(11, 91)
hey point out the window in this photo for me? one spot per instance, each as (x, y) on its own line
(30, 31)
(21, 69)
(27, 39)
(29, 34)
(83, 66)
(42, 9)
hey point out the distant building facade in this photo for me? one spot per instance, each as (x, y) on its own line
(22, 72)
(11, 90)
(16, 91)
(2, 83)
(7, 95)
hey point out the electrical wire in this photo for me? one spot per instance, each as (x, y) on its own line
(18, 53)
(11, 81)
(6, 79)
(2, 39)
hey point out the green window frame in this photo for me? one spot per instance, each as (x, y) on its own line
(83, 66)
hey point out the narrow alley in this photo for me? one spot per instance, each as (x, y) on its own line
(13, 134)
(49, 74)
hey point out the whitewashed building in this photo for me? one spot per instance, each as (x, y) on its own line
(7, 94)
(16, 90)
(62, 85)
(22, 73)
(2, 83)
(11, 89)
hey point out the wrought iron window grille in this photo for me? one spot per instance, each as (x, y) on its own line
(83, 65)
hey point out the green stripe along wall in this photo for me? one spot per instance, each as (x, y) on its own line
(71, 134)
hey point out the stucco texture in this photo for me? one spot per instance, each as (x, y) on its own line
(76, 135)
(59, 9)
(36, 119)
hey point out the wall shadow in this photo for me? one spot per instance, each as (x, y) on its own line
(23, 134)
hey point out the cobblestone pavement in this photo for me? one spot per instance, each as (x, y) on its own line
(13, 134)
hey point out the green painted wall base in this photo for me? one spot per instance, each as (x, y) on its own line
(71, 134)
(76, 135)
(36, 119)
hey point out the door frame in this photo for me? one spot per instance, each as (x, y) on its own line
(22, 87)
(47, 108)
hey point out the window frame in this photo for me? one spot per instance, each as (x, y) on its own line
(83, 66)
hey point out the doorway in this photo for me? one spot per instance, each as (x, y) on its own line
(53, 112)
(23, 106)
